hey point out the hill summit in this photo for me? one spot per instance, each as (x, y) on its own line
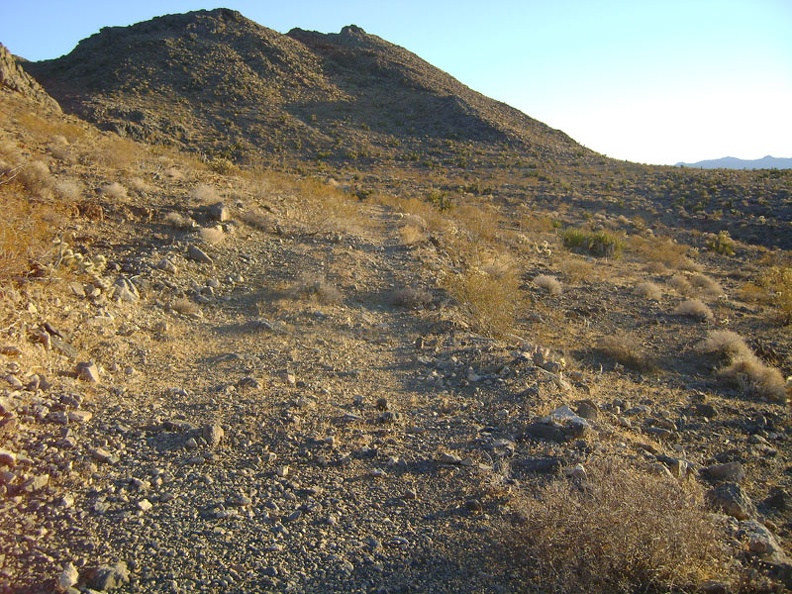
(219, 81)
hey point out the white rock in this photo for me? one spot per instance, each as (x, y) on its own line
(68, 578)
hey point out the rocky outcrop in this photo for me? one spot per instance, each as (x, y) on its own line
(14, 78)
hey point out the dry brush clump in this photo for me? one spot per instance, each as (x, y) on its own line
(548, 283)
(695, 308)
(742, 368)
(649, 290)
(778, 283)
(620, 529)
(491, 301)
(315, 287)
(627, 350)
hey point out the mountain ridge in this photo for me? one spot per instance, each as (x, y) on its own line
(766, 162)
(243, 91)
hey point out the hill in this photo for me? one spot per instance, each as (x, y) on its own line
(216, 82)
(767, 162)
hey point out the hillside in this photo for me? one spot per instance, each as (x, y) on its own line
(216, 82)
(481, 369)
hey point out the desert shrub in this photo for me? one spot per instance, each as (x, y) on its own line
(139, 185)
(577, 270)
(68, 189)
(722, 243)
(36, 178)
(411, 298)
(778, 282)
(411, 235)
(601, 244)
(114, 191)
(626, 350)
(186, 307)
(694, 308)
(480, 221)
(707, 285)
(491, 302)
(316, 288)
(178, 220)
(742, 368)
(680, 283)
(548, 283)
(660, 250)
(205, 194)
(258, 218)
(621, 529)
(648, 290)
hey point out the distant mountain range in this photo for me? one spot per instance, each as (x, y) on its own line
(767, 162)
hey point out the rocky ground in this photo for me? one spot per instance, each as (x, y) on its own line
(225, 383)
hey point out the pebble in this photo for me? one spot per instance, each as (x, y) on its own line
(144, 505)
(88, 371)
(68, 578)
(109, 577)
(213, 435)
(732, 472)
(197, 254)
(732, 500)
(101, 455)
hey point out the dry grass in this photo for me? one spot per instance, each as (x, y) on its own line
(660, 250)
(708, 286)
(649, 290)
(205, 194)
(178, 220)
(316, 288)
(411, 298)
(627, 350)
(212, 235)
(186, 307)
(743, 368)
(778, 283)
(491, 302)
(680, 284)
(114, 191)
(695, 308)
(577, 270)
(548, 283)
(622, 530)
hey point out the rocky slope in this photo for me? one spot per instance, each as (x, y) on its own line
(219, 83)
(14, 78)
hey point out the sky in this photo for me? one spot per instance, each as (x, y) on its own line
(649, 81)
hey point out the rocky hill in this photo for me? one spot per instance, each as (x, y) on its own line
(216, 82)
(14, 78)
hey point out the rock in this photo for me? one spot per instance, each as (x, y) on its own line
(79, 416)
(761, 542)
(213, 435)
(88, 371)
(730, 498)
(219, 212)
(730, 472)
(571, 424)
(543, 431)
(587, 409)
(7, 458)
(125, 290)
(197, 254)
(101, 455)
(36, 483)
(68, 578)
(144, 505)
(448, 458)
(705, 410)
(777, 499)
(109, 577)
(166, 265)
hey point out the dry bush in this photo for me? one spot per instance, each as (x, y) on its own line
(661, 250)
(411, 235)
(186, 307)
(626, 350)
(316, 288)
(621, 530)
(139, 185)
(205, 194)
(680, 284)
(69, 189)
(706, 285)
(481, 222)
(258, 218)
(117, 152)
(577, 270)
(36, 178)
(694, 308)
(27, 228)
(178, 220)
(548, 283)
(114, 191)
(490, 302)
(742, 367)
(778, 283)
(411, 298)
(649, 290)
(212, 235)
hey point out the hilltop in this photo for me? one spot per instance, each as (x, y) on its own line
(471, 369)
(767, 162)
(218, 83)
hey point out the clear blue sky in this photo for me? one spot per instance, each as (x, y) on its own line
(652, 81)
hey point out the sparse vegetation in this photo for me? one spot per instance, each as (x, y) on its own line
(626, 350)
(620, 529)
(720, 243)
(778, 283)
(649, 290)
(548, 283)
(316, 288)
(695, 308)
(601, 244)
(742, 368)
(491, 302)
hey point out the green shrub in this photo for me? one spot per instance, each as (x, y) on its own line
(600, 244)
(722, 243)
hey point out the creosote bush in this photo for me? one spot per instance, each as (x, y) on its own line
(600, 244)
(491, 302)
(621, 529)
(742, 368)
